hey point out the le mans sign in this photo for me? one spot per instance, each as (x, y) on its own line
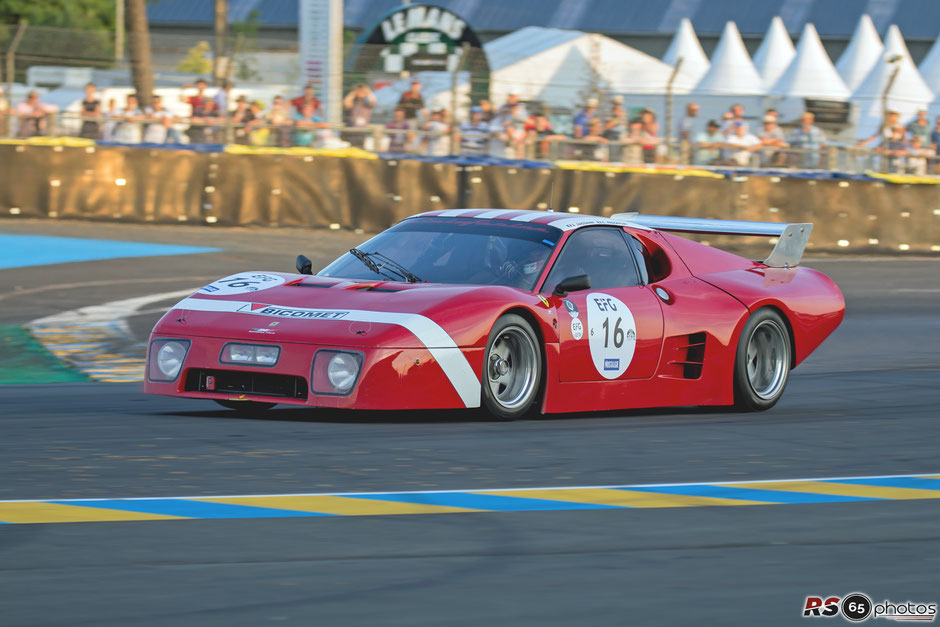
(418, 38)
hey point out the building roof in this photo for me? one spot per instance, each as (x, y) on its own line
(920, 19)
(811, 73)
(732, 71)
(685, 46)
(774, 54)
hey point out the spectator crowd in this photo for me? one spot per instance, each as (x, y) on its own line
(514, 129)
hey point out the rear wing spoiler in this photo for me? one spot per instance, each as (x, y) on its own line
(791, 238)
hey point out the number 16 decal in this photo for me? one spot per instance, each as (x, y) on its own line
(611, 334)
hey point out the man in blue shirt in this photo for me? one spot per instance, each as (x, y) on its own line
(809, 140)
(474, 134)
(583, 119)
(935, 142)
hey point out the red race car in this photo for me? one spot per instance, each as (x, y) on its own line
(518, 311)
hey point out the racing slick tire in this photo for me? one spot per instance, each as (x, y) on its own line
(762, 362)
(245, 408)
(512, 368)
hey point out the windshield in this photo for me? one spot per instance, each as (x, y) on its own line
(457, 250)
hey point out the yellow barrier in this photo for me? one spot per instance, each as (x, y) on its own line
(905, 179)
(594, 166)
(70, 142)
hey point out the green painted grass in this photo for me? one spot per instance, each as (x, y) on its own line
(24, 360)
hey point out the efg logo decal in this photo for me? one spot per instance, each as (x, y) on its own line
(857, 607)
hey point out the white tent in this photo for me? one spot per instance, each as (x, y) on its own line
(907, 95)
(930, 68)
(732, 72)
(685, 46)
(863, 51)
(561, 67)
(557, 67)
(811, 73)
(775, 53)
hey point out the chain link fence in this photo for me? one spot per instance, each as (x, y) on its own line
(263, 68)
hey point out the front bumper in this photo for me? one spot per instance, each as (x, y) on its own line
(390, 378)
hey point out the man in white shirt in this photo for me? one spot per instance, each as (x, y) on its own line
(741, 144)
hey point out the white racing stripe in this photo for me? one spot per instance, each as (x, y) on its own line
(492, 214)
(428, 332)
(453, 213)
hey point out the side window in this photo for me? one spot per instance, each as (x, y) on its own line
(599, 252)
(639, 254)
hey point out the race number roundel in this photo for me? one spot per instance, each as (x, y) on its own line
(242, 284)
(611, 334)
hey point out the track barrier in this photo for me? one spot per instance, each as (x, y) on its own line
(355, 189)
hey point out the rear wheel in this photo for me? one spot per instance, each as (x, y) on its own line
(246, 408)
(512, 368)
(762, 363)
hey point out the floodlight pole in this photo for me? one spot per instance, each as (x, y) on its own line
(895, 60)
(672, 78)
(464, 53)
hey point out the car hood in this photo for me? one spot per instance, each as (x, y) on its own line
(331, 312)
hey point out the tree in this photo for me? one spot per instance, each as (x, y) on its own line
(138, 31)
(195, 61)
(80, 14)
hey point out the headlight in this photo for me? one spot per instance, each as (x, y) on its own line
(335, 372)
(342, 371)
(250, 354)
(166, 359)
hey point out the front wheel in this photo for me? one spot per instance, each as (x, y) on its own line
(762, 363)
(512, 368)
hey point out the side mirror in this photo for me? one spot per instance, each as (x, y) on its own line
(304, 265)
(573, 284)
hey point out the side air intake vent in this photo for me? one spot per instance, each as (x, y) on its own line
(686, 355)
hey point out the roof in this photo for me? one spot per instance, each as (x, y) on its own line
(930, 67)
(732, 71)
(774, 54)
(685, 46)
(524, 43)
(862, 53)
(557, 66)
(920, 19)
(908, 93)
(559, 220)
(811, 73)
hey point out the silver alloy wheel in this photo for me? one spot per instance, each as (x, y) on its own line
(512, 367)
(767, 360)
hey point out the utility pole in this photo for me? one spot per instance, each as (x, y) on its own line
(11, 56)
(220, 58)
(141, 62)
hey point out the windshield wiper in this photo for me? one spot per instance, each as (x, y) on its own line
(397, 267)
(394, 266)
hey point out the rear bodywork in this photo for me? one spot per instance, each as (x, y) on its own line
(422, 345)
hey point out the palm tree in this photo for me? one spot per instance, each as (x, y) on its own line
(141, 63)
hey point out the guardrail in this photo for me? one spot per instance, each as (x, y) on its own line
(418, 141)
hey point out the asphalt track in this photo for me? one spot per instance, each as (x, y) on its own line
(865, 404)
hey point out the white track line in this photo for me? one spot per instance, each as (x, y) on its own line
(97, 340)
